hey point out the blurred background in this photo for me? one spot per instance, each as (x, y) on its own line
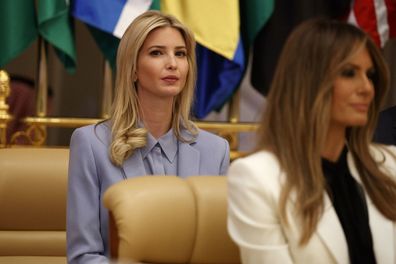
(70, 46)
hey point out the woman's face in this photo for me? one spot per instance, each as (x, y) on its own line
(353, 91)
(162, 64)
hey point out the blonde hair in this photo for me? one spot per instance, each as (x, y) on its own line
(125, 115)
(297, 117)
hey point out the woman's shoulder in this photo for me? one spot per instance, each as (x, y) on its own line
(206, 136)
(261, 166)
(100, 132)
(206, 141)
(385, 155)
(211, 145)
(262, 158)
(382, 151)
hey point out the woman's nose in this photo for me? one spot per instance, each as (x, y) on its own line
(171, 62)
(367, 85)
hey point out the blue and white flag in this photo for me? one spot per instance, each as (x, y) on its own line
(111, 16)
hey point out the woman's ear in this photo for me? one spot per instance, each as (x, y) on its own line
(134, 78)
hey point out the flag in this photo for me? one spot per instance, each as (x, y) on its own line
(254, 14)
(376, 17)
(107, 20)
(220, 54)
(55, 26)
(17, 28)
(269, 41)
(219, 50)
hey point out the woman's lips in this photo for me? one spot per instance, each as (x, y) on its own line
(361, 107)
(170, 79)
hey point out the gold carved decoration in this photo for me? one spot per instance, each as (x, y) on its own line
(35, 135)
(4, 116)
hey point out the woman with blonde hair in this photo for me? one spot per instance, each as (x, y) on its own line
(149, 131)
(317, 190)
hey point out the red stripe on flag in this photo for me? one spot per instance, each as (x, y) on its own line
(391, 9)
(367, 20)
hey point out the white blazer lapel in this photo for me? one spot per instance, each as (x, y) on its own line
(332, 234)
(383, 234)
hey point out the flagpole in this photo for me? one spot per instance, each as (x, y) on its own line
(233, 118)
(42, 79)
(38, 134)
(107, 96)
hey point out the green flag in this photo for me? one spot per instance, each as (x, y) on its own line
(107, 43)
(17, 28)
(55, 26)
(254, 15)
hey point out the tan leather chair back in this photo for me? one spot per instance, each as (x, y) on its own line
(165, 219)
(33, 186)
(212, 242)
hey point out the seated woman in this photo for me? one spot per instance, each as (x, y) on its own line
(317, 190)
(149, 131)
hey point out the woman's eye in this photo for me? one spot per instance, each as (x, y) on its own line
(371, 75)
(181, 54)
(348, 73)
(155, 52)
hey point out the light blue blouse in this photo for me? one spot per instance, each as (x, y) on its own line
(159, 156)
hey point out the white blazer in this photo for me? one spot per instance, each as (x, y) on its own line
(254, 186)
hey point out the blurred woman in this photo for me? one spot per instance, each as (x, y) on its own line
(149, 131)
(317, 190)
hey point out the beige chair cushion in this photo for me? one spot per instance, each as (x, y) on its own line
(33, 186)
(143, 208)
(212, 242)
(165, 219)
(33, 260)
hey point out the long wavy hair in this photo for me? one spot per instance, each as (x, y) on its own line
(297, 117)
(125, 114)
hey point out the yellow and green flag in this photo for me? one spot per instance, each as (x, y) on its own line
(220, 54)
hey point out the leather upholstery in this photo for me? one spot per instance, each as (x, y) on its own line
(33, 186)
(166, 219)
